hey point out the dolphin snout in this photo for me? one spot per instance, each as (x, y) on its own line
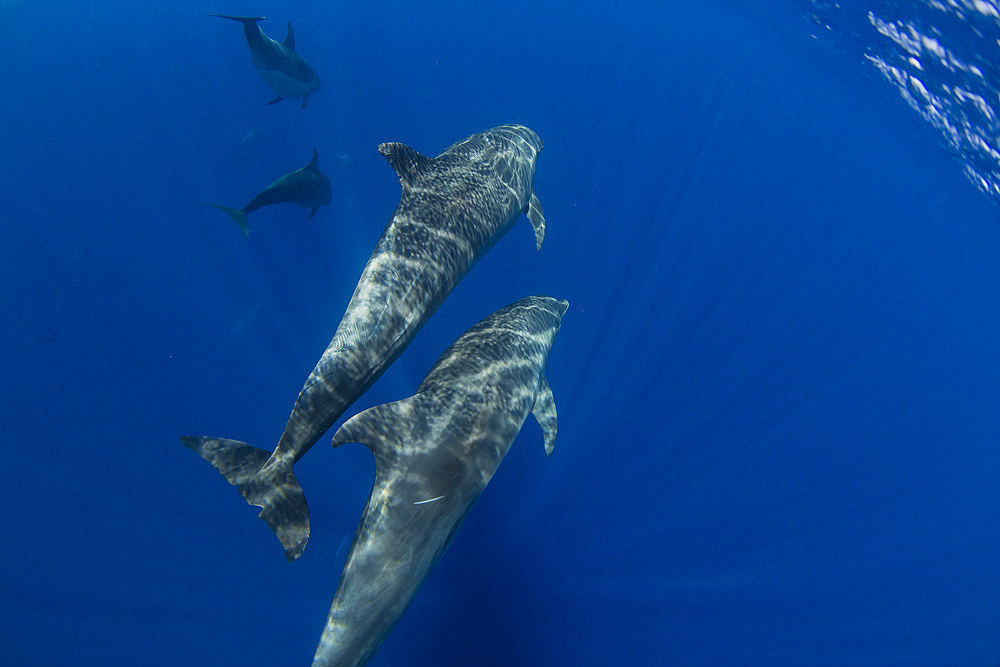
(526, 133)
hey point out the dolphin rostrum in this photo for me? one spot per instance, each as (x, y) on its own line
(284, 71)
(308, 187)
(452, 210)
(435, 452)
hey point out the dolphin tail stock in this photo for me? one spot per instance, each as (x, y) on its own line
(263, 481)
(242, 19)
(237, 214)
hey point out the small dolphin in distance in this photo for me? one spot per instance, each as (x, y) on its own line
(308, 187)
(453, 208)
(251, 147)
(284, 71)
(435, 452)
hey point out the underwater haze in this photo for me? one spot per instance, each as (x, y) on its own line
(778, 381)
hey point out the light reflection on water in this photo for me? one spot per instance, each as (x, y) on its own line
(942, 57)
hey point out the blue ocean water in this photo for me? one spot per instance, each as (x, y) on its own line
(777, 382)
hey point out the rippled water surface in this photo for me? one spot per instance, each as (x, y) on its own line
(943, 58)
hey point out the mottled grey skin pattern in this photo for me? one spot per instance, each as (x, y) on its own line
(453, 209)
(435, 452)
(308, 187)
(282, 69)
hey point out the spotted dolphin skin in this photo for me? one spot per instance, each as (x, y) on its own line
(308, 187)
(435, 452)
(452, 210)
(284, 71)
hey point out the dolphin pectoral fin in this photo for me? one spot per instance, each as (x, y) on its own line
(314, 162)
(239, 215)
(290, 38)
(270, 485)
(545, 413)
(276, 100)
(313, 212)
(407, 162)
(537, 219)
(305, 101)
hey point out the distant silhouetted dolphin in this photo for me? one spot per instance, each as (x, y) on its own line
(251, 147)
(435, 452)
(452, 210)
(283, 70)
(308, 187)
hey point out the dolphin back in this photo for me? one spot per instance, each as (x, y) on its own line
(419, 500)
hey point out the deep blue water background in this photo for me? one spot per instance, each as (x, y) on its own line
(777, 381)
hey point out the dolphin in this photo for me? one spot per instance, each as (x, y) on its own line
(284, 71)
(435, 452)
(308, 187)
(251, 146)
(452, 210)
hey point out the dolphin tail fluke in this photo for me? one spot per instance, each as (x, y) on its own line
(237, 214)
(241, 19)
(263, 482)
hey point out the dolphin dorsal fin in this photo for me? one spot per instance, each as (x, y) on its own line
(381, 429)
(314, 162)
(407, 162)
(290, 38)
(545, 412)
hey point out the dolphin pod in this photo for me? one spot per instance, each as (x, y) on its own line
(453, 208)
(435, 452)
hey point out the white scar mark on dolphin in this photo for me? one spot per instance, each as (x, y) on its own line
(423, 502)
